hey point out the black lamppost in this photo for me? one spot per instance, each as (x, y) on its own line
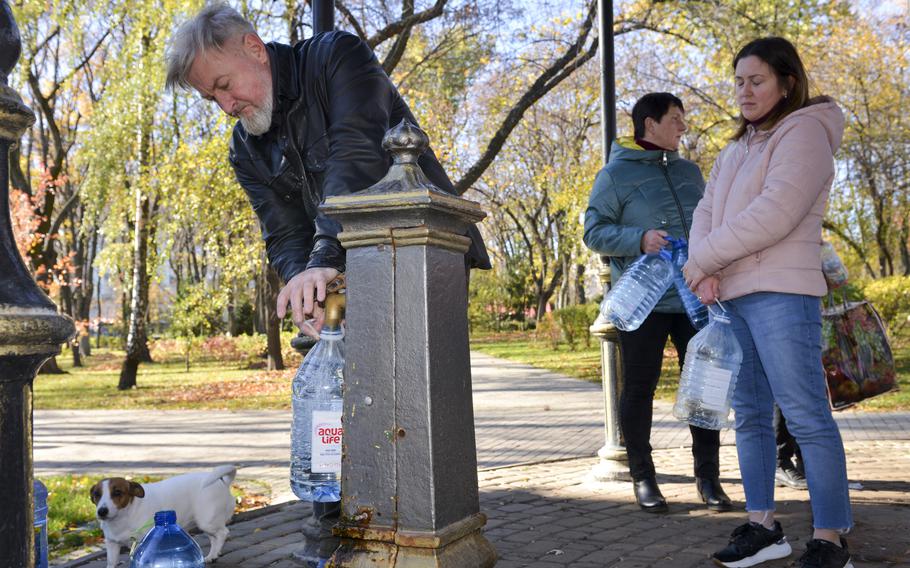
(613, 463)
(31, 331)
(323, 16)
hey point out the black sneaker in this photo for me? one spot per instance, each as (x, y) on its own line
(790, 477)
(752, 544)
(823, 554)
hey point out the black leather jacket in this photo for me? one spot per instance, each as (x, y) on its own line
(333, 105)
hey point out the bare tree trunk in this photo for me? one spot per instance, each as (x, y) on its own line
(137, 339)
(51, 367)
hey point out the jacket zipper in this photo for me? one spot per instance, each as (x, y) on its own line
(682, 217)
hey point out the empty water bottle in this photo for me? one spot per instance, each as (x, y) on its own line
(40, 524)
(167, 546)
(638, 290)
(317, 403)
(713, 359)
(697, 312)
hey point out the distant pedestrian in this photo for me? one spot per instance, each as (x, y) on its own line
(645, 194)
(756, 243)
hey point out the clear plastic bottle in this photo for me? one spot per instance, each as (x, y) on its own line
(317, 405)
(40, 524)
(832, 267)
(167, 546)
(697, 312)
(713, 359)
(638, 290)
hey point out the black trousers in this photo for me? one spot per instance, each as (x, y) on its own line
(787, 448)
(642, 355)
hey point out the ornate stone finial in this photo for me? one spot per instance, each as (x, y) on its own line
(10, 44)
(406, 142)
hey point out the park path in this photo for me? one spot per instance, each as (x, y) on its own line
(523, 415)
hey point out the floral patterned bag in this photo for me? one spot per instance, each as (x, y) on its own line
(855, 353)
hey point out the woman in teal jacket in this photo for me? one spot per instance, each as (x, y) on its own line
(644, 194)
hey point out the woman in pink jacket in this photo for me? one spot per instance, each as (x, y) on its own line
(755, 245)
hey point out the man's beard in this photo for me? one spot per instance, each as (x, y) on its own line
(260, 121)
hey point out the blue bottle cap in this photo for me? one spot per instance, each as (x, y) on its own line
(165, 518)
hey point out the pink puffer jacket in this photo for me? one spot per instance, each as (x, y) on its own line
(758, 226)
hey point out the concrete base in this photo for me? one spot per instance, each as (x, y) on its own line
(460, 545)
(613, 465)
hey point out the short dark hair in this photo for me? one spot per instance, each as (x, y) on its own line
(782, 57)
(652, 105)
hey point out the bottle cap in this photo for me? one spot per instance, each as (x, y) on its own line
(165, 518)
(334, 310)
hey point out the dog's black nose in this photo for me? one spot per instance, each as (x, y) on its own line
(102, 512)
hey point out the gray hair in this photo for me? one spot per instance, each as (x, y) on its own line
(209, 29)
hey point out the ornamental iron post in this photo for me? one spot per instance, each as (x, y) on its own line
(409, 466)
(614, 463)
(31, 331)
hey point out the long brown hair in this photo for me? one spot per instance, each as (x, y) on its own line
(782, 58)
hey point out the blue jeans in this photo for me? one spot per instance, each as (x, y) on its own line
(780, 335)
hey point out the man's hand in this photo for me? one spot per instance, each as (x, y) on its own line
(303, 292)
(653, 240)
(708, 290)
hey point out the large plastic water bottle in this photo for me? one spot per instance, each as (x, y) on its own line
(317, 403)
(713, 359)
(167, 546)
(697, 312)
(638, 290)
(40, 524)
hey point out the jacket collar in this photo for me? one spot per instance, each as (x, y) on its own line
(285, 72)
(626, 149)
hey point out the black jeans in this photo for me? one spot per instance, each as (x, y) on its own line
(642, 355)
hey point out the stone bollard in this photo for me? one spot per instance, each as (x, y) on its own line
(409, 470)
(31, 331)
(614, 463)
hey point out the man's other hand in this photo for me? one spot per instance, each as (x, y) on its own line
(305, 291)
(653, 240)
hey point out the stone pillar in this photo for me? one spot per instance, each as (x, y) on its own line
(614, 463)
(31, 331)
(409, 471)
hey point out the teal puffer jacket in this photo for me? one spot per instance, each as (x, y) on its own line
(640, 190)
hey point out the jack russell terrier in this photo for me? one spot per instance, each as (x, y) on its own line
(127, 509)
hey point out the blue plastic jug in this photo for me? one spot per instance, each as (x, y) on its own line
(40, 524)
(167, 546)
(697, 312)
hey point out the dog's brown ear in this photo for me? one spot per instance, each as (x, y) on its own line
(136, 490)
(95, 492)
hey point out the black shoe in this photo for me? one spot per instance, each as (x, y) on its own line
(823, 554)
(712, 494)
(790, 477)
(648, 496)
(752, 544)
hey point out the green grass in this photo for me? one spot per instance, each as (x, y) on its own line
(71, 523)
(584, 363)
(161, 386)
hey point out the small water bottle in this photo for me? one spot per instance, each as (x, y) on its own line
(638, 290)
(713, 359)
(316, 408)
(40, 524)
(697, 312)
(167, 546)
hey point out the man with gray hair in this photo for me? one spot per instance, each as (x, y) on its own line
(311, 121)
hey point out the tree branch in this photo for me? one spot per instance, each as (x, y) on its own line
(407, 23)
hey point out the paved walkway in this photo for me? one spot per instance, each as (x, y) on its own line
(536, 433)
